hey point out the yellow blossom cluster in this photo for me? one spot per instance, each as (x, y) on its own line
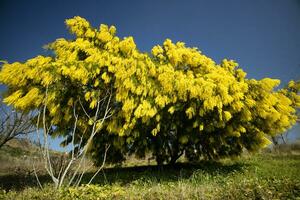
(173, 87)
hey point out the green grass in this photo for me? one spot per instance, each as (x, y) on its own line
(263, 176)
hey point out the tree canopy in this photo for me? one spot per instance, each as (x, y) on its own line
(169, 102)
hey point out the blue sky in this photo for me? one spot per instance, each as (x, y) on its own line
(263, 36)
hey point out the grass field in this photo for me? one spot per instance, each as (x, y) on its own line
(260, 176)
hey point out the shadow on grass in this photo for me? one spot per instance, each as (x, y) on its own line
(20, 182)
(166, 173)
(127, 175)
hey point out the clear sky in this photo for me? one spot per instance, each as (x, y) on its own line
(263, 36)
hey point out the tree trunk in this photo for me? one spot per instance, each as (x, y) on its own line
(175, 157)
(159, 160)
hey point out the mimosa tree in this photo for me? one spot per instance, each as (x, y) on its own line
(173, 101)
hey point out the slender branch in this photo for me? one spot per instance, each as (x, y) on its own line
(94, 131)
(59, 177)
(84, 109)
(72, 155)
(101, 167)
(36, 176)
(49, 167)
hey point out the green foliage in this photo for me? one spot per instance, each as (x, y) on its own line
(93, 192)
(173, 101)
(30, 193)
